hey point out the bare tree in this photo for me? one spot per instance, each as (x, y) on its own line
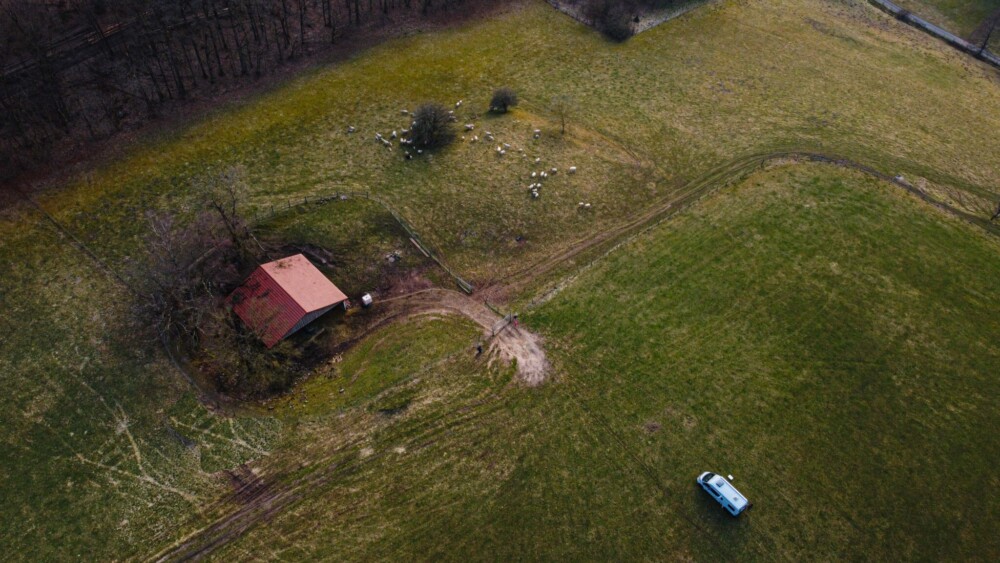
(225, 194)
(562, 106)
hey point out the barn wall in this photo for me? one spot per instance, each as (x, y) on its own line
(310, 317)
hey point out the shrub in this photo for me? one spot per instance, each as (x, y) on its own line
(611, 18)
(503, 99)
(432, 126)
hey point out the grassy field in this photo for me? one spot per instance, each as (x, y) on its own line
(651, 114)
(427, 452)
(959, 16)
(824, 338)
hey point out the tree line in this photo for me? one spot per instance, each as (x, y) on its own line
(86, 69)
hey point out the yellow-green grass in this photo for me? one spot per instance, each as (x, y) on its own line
(823, 337)
(113, 457)
(357, 235)
(649, 115)
(105, 444)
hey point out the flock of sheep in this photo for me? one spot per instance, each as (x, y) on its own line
(536, 177)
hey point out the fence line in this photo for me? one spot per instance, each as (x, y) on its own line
(415, 237)
(981, 53)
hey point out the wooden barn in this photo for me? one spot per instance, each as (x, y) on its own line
(281, 297)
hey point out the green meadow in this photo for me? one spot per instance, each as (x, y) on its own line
(825, 338)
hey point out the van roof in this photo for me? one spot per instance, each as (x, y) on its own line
(729, 492)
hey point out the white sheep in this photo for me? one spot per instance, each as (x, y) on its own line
(351, 129)
(537, 160)
(469, 126)
(394, 135)
(458, 104)
(404, 112)
(572, 169)
(506, 145)
(553, 171)
(534, 174)
(544, 175)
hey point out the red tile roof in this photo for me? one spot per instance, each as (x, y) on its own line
(279, 294)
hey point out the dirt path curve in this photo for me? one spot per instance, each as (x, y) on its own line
(510, 342)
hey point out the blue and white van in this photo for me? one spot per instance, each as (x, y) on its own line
(724, 492)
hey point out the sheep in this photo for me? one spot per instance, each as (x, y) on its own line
(458, 104)
(394, 135)
(538, 133)
(587, 206)
(378, 137)
(537, 160)
(469, 126)
(404, 112)
(534, 174)
(502, 153)
(544, 175)
(351, 129)
(506, 146)
(474, 138)
(572, 169)
(553, 171)
(420, 151)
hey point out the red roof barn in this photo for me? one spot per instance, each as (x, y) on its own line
(283, 296)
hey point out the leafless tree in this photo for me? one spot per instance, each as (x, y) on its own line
(562, 106)
(225, 193)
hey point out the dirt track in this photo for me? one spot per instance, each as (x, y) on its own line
(510, 343)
